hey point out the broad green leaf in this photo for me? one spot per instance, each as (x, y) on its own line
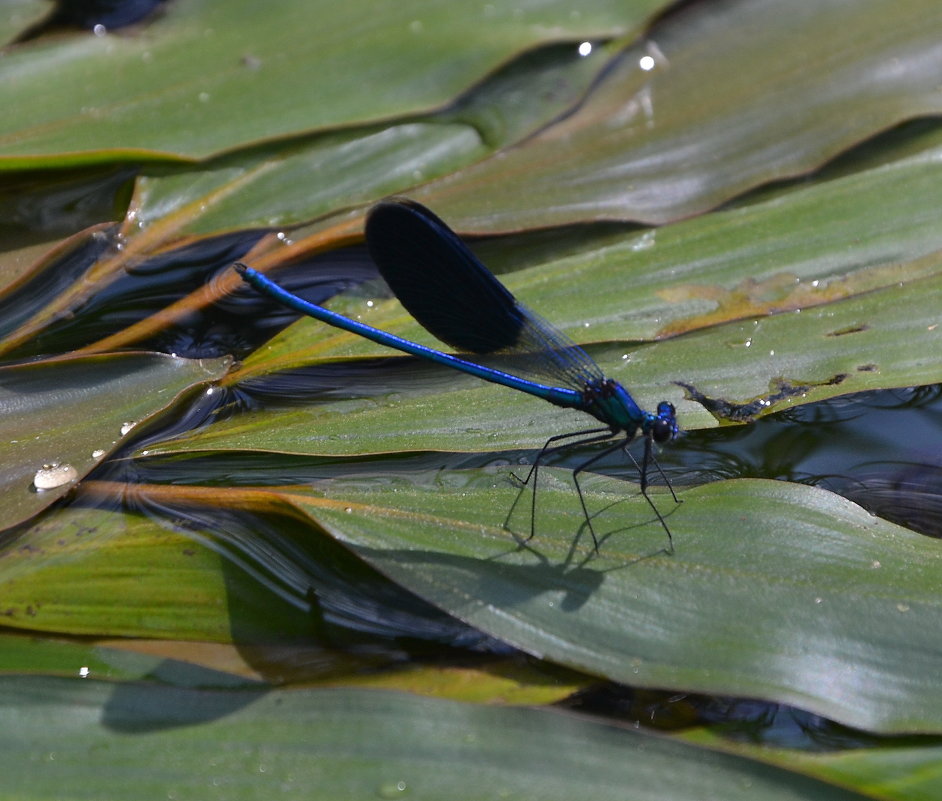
(285, 184)
(210, 76)
(812, 246)
(61, 417)
(18, 15)
(160, 570)
(885, 339)
(719, 98)
(894, 769)
(298, 181)
(218, 665)
(731, 373)
(92, 740)
(863, 282)
(776, 590)
(102, 572)
(294, 182)
(421, 407)
(28, 654)
(906, 771)
(734, 372)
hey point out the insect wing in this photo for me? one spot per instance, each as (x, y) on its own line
(447, 289)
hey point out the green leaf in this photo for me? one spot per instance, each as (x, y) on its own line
(826, 290)
(730, 373)
(102, 572)
(208, 77)
(907, 769)
(295, 182)
(18, 16)
(102, 742)
(738, 94)
(26, 654)
(763, 597)
(61, 417)
(286, 184)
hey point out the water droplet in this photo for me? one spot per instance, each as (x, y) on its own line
(393, 789)
(83, 672)
(127, 426)
(646, 241)
(875, 563)
(349, 510)
(51, 476)
(99, 30)
(585, 49)
(97, 453)
(903, 607)
(646, 63)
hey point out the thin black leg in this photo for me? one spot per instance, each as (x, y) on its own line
(575, 480)
(643, 481)
(667, 481)
(593, 434)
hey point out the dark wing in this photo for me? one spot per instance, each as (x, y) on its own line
(446, 288)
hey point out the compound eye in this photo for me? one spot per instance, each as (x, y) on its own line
(662, 430)
(665, 409)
